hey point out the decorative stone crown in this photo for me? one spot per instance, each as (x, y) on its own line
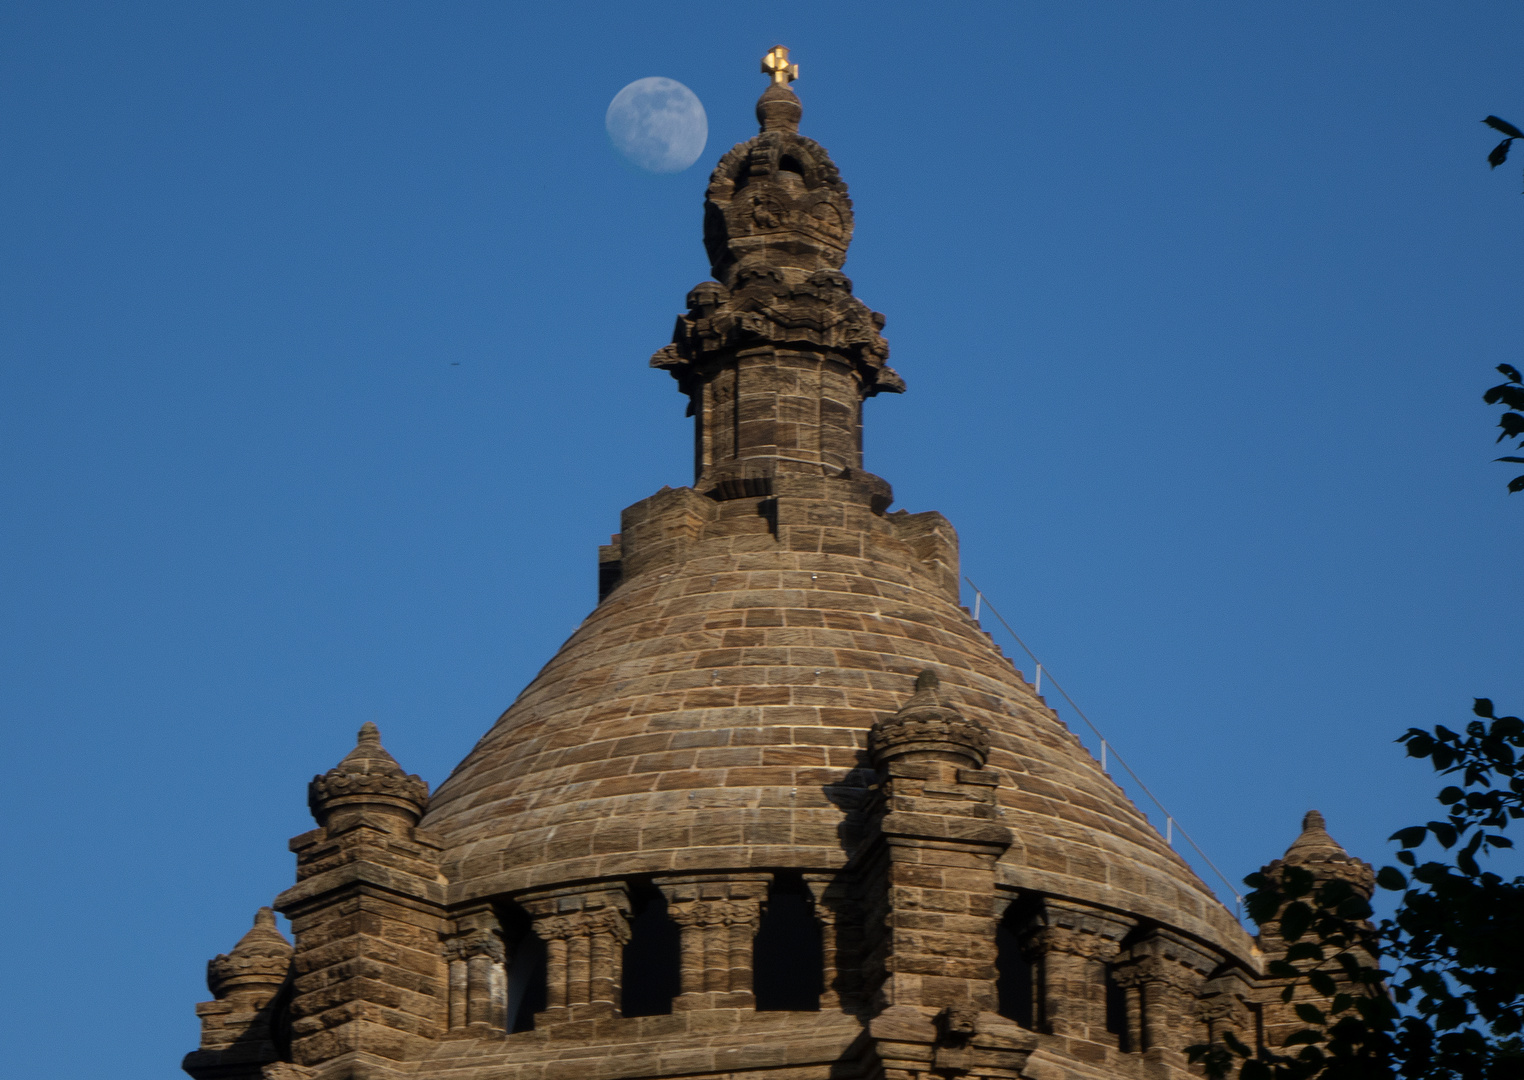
(260, 959)
(368, 776)
(1316, 851)
(927, 726)
(818, 314)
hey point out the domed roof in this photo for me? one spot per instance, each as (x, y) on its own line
(713, 712)
(716, 715)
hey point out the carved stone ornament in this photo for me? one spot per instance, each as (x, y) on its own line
(1062, 939)
(583, 924)
(1316, 851)
(818, 314)
(367, 775)
(956, 1027)
(777, 224)
(476, 943)
(1158, 970)
(957, 1024)
(927, 726)
(714, 913)
(262, 957)
(285, 1070)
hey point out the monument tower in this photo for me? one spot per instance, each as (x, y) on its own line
(778, 809)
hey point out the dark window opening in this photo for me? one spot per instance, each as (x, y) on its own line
(1116, 1011)
(651, 958)
(1013, 981)
(526, 968)
(789, 163)
(526, 983)
(788, 963)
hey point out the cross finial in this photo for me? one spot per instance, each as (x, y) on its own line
(776, 64)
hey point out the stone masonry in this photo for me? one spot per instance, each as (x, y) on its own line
(779, 809)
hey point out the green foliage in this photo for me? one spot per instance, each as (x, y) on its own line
(1449, 1002)
(1500, 151)
(1510, 395)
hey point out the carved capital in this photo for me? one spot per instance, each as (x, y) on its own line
(1157, 970)
(584, 924)
(1064, 939)
(715, 913)
(478, 942)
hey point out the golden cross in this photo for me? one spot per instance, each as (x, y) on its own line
(776, 64)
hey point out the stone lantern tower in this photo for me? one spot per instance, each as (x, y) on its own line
(778, 809)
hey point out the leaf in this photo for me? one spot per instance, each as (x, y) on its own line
(1499, 153)
(1389, 877)
(1516, 484)
(1323, 983)
(1451, 794)
(1512, 373)
(1483, 707)
(1444, 832)
(1515, 460)
(1497, 123)
(1410, 837)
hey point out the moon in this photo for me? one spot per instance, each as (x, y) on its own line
(658, 125)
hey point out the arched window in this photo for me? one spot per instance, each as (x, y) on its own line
(1013, 982)
(651, 957)
(788, 964)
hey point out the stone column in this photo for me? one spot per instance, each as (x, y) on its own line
(584, 929)
(837, 917)
(1224, 1008)
(1164, 976)
(717, 916)
(1069, 946)
(478, 974)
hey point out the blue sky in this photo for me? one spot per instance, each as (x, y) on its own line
(323, 374)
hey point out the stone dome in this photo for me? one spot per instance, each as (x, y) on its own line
(713, 713)
(779, 807)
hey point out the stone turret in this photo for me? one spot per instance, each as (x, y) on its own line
(371, 983)
(239, 1033)
(367, 783)
(776, 354)
(1315, 851)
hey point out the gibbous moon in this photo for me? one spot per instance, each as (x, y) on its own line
(658, 124)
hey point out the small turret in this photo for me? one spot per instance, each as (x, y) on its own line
(926, 728)
(1326, 860)
(367, 913)
(1319, 853)
(367, 780)
(238, 1028)
(256, 967)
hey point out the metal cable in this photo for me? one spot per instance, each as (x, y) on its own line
(1170, 823)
